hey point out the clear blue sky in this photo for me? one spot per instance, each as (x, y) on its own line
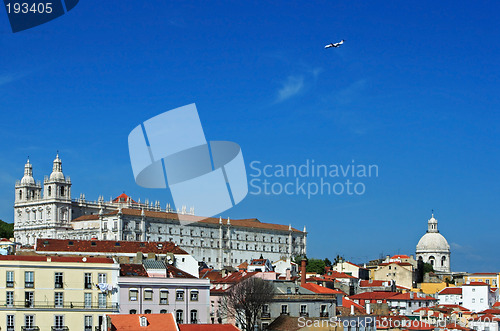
(414, 89)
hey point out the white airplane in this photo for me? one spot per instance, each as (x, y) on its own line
(335, 45)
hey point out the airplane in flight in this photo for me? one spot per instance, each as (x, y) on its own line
(335, 44)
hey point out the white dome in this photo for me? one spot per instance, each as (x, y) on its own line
(57, 173)
(56, 176)
(28, 180)
(433, 242)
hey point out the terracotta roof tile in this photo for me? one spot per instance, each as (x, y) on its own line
(320, 289)
(58, 259)
(375, 295)
(156, 322)
(207, 327)
(451, 290)
(476, 284)
(132, 270)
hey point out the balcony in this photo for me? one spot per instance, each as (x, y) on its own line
(115, 229)
(323, 314)
(265, 315)
(30, 328)
(29, 284)
(58, 285)
(87, 286)
(59, 328)
(304, 314)
(10, 283)
(59, 306)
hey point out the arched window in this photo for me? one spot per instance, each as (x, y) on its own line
(62, 191)
(431, 260)
(50, 191)
(20, 194)
(163, 311)
(194, 316)
(443, 261)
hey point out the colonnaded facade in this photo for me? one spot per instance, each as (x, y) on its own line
(50, 212)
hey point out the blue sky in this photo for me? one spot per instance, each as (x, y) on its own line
(414, 90)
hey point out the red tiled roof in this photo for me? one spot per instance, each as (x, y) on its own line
(246, 223)
(243, 266)
(335, 274)
(156, 322)
(451, 290)
(407, 296)
(59, 259)
(454, 306)
(374, 283)
(375, 295)
(107, 246)
(486, 318)
(174, 272)
(476, 284)
(320, 289)
(400, 257)
(422, 309)
(210, 274)
(123, 198)
(492, 311)
(485, 273)
(207, 327)
(132, 270)
(348, 303)
(235, 277)
(496, 304)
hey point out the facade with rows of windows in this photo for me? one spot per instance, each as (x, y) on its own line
(50, 212)
(56, 293)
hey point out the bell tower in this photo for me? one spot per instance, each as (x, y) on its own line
(57, 193)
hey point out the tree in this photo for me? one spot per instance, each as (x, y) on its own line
(6, 230)
(243, 302)
(428, 268)
(337, 259)
(316, 265)
(328, 263)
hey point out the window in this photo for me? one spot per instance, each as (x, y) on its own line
(10, 279)
(163, 297)
(265, 308)
(179, 295)
(87, 281)
(132, 311)
(29, 279)
(288, 290)
(9, 300)
(88, 323)
(58, 300)
(147, 311)
(473, 300)
(59, 321)
(148, 294)
(29, 299)
(284, 309)
(303, 309)
(179, 316)
(143, 321)
(104, 226)
(163, 311)
(10, 322)
(102, 278)
(87, 300)
(132, 294)
(29, 321)
(481, 300)
(323, 309)
(102, 300)
(194, 295)
(194, 316)
(58, 283)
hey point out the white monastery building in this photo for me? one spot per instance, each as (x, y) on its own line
(48, 211)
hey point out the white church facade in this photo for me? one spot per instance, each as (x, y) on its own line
(433, 248)
(50, 212)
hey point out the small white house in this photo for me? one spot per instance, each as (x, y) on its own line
(450, 296)
(478, 296)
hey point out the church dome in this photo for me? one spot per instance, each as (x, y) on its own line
(433, 241)
(28, 174)
(57, 173)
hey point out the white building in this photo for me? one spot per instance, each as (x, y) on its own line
(433, 248)
(478, 296)
(450, 296)
(50, 212)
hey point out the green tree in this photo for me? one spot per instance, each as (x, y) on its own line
(6, 229)
(316, 265)
(328, 263)
(428, 268)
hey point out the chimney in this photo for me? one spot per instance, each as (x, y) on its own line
(303, 271)
(288, 274)
(368, 308)
(412, 295)
(352, 309)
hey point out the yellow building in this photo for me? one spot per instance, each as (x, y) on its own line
(490, 278)
(56, 293)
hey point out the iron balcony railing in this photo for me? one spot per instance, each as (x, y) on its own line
(59, 328)
(265, 315)
(30, 328)
(323, 314)
(58, 305)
